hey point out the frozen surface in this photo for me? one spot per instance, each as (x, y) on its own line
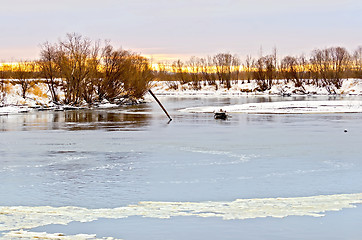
(112, 172)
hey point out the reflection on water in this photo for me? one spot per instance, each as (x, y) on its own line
(260, 118)
(90, 120)
(144, 115)
(76, 120)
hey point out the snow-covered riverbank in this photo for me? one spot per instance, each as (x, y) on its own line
(242, 88)
(39, 98)
(350, 87)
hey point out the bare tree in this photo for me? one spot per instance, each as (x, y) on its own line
(72, 57)
(289, 70)
(23, 73)
(271, 69)
(164, 75)
(178, 68)
(2, 90)
(93, 76)
(48, 68)
(265, 71)
(5, 71)
(194, 68)
(236, 64)
(124, 74)
(115, 66)
(326, 66)
(248, 67)
(330, 64)
(207, 71)
(303, 68)
(357, 62)
(259, 74)
(340, 61)
(223, 65)
(139, 76)
(316, 68)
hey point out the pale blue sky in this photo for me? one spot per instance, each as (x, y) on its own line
(183, 28)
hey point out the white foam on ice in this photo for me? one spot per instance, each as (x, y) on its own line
(286, 107)
(22, 217)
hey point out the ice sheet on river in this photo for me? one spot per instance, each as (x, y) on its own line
(15, 218)
(286, 107)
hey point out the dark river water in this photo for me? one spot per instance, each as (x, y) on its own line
(108, 158)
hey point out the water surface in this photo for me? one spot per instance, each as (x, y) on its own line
(110, 158)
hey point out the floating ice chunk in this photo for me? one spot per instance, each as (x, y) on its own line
(21, 217)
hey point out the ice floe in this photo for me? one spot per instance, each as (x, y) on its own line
(285, 107)
(15, 218)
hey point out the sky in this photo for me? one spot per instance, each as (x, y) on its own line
(173, 29)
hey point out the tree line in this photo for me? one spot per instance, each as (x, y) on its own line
(324, 68)
(84, 70)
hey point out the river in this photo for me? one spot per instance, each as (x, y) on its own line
(109, 158)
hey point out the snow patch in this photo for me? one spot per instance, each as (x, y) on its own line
(287, 107)
(25, 235)
(13, 109)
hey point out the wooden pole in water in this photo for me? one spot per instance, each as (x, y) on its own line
(159, 103)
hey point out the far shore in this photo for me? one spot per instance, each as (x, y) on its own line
(39, 97)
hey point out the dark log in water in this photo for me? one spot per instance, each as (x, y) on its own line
(159, 103)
